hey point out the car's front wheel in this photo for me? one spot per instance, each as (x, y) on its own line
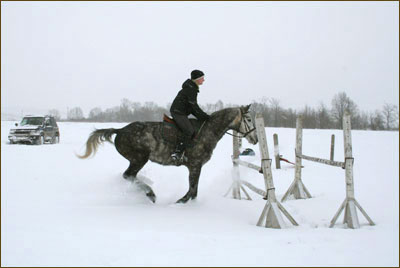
(40, 140)
(56, 139)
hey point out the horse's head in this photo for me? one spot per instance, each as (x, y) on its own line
(245, 126)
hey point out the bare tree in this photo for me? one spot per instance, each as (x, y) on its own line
(340, 103)
(150, 111)
(75, 113)
(55, 113)
(219, 105)
(126, 111)
(95, 114)
(289, 117)
(262, 107)
(276, 111)
(210, 107)
(309, 117)
(390, 113)
(361, 121)
(324, 120)
(377, 120)
(112, 114)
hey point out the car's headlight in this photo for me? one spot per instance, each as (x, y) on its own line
(12, 131)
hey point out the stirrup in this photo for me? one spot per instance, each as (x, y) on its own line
(176, 156)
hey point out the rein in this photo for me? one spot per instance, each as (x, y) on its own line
(198, 132)
(243, 134)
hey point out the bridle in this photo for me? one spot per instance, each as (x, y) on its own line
(247, 127)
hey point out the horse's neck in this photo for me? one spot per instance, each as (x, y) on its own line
(219, 124)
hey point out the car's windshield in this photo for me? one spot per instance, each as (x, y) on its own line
(36, 121)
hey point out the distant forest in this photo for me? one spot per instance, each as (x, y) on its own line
(321, 117)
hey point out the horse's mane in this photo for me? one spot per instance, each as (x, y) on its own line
(222, 111)
(215, 117)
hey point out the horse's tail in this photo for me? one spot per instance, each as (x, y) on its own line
(97, 137)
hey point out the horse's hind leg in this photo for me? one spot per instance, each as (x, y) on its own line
(147, 189)
(135, 166)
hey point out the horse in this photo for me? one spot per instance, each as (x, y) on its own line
(139, 142)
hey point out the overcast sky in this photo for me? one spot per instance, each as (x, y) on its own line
(93, 54)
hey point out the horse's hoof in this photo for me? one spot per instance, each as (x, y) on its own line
(151, 196)
(182, 200)
(185, 199)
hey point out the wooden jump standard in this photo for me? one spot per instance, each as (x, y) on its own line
(299, 191)
(271, 215)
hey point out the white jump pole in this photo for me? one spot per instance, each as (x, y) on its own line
(350, 203)
(271, 213)
(297, 188)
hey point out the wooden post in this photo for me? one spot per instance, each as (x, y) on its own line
(271, 213)
(276, 152)
(349, 204)
(236, 172)
(332, 147)
(236, 186)
(297, 188)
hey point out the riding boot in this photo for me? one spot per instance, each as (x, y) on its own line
(180, 149)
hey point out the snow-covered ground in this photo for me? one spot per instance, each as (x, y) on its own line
(58, 210)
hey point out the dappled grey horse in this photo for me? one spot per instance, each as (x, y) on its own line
(139, 142)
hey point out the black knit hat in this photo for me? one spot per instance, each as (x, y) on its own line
(195, 74)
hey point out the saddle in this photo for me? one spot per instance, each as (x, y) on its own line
(171, 133)
(168, 119)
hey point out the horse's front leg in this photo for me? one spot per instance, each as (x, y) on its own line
(194, 175)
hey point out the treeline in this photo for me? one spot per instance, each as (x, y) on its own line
(324, 117)
(321, 117)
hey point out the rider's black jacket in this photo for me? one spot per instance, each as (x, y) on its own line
(185, 103)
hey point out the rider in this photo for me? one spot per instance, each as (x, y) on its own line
(184, 104)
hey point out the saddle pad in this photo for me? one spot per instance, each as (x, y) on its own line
(170, 133)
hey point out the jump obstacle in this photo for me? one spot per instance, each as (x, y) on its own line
(271, 215)
(299, 191)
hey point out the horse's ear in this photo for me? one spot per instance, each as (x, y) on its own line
(246, 108)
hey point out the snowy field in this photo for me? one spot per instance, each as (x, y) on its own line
(58, 210)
